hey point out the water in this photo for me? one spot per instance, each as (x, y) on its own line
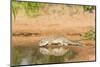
(41, 55)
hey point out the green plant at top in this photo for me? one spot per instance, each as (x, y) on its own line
(15, 7)
(90, 35)
(30, 8)
(88, 8)
(33, 8)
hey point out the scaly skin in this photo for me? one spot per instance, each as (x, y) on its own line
(60, 41)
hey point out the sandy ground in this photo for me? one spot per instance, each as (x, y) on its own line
(68, 24)
(54, 24)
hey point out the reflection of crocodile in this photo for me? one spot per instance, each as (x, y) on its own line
(55, 51)
(60, 41)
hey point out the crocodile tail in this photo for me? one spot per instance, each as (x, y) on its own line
(80, 44)
(77, 44)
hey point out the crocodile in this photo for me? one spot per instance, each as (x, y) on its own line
(59, 41)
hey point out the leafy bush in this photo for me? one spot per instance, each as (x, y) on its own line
(33, 8)
(30, 8)
(90, 35)
(88, 8)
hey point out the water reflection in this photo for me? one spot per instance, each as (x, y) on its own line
(60, 51)
(41, 55)
(24, 61)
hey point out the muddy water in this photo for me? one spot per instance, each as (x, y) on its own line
(22, 55)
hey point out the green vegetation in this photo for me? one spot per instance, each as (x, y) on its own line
(88, 8)
(31, 8)
(90, 35)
